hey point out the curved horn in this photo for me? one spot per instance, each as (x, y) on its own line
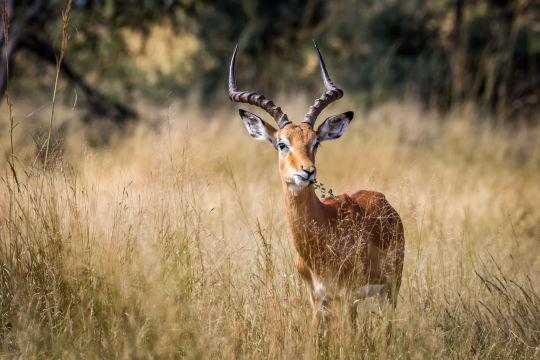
(253, 98)
(332, 94)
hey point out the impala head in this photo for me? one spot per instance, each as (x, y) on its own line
(296, 144)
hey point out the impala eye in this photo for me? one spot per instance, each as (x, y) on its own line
(282, 146)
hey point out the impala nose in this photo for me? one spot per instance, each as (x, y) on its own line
(310, 172)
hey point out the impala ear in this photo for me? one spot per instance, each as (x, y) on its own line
(334, 126)
(258, 128)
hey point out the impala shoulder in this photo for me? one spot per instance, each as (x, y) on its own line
(373, 202)
(366, 198)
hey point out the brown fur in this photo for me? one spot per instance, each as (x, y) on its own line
(356, 241)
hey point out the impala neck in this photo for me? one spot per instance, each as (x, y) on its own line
(302, 206)
(306, 214)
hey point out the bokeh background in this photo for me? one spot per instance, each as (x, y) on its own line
(153, 226)
(443, 54)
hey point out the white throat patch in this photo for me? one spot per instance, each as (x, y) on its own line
(294, 188)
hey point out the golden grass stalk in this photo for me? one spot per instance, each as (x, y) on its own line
(65, 38)
(11, 162)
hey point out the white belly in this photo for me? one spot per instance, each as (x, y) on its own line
(325, 291)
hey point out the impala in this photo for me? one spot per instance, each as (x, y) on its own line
(349, 247)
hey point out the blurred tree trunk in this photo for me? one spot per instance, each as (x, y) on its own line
(100, 104)
(23, 35)
(16, 33)
(509, 103)
(456, 54)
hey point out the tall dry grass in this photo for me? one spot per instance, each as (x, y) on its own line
(172, 242)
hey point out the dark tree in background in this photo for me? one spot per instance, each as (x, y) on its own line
(34, 28)
(30, 23)
(444, 53)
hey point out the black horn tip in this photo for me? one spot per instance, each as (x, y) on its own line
(317, 48)
(232, 80)
(324, 73)
(234, 54)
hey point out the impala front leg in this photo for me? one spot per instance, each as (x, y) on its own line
(317, 291)
(321, 310)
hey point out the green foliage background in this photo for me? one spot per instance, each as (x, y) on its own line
(443, 53)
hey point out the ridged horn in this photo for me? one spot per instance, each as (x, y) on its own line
(253, 98)
(332, 94)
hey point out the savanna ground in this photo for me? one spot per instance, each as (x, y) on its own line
(171, 241)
